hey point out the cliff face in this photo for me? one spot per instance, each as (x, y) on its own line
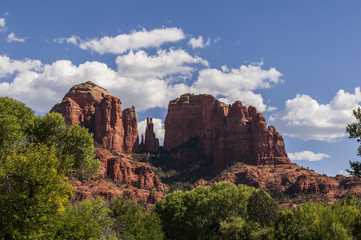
(93, 107)
(222, 133)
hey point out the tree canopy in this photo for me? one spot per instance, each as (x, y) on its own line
(354, 131)
(37, 155)
(74, 145)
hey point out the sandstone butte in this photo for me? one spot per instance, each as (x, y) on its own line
(224, 133)
(93, 107)
(234, 141)
(200, 126)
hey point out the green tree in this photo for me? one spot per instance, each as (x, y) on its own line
(15, 118)
(262, 208)
(134, 222)
(285, 227)
(32, 191)
(355, 169)
(354, 131)
(198, 214)
(317, 221)
(36, 155)
(74, 143)
(88, 219)
(239, 228)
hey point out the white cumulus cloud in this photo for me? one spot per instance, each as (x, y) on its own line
(199, 42)
(143, 80)
(307, 156)
(13, 38)
(164, 63)
(9, 66)
(158, 129)
(124, 42)
(304, 118)
(237, 84)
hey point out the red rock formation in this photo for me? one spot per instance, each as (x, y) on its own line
(225, 133)
(289, 182)
(151, 142)
(130, 179)
(130, 123)
(93, 107)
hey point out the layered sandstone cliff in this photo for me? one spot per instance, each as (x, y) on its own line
(222, 133)
(93, 107)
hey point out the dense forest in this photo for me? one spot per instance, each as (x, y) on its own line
(39, 154)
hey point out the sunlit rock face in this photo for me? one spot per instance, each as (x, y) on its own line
(223, 133)
(93, 107)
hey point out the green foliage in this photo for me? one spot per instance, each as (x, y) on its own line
(198, 214)
(355, 169)
(74, 143)
(238, 228)
(317, 221)
(77, 145)
(36, 155)
(262, 208)
(135, 222)
(285, 227)
(15, 118)
(31, 191)
(354, 131)
(89, 219)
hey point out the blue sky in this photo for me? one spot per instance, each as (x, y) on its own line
(299, 62)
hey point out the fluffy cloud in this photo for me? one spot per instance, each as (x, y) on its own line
(42, 85)
(307, 156)
(164, 63)
(198, 42)
(9, 66)
(13, 38)
(158, 129)
(237, 84)
(124, 42)
(306, 119)
(145, 81)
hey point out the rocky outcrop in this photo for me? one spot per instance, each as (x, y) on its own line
(93, 107)
(129, 179)
(151, 143)
(124, 169)
(288, 183)
(222, 133)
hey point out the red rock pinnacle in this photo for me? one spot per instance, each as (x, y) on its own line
(151, 142)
